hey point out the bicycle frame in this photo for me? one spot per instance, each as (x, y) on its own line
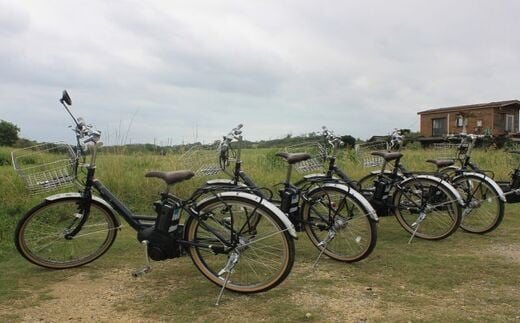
(109, 199)
(240, 179)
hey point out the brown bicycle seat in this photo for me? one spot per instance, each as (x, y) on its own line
(171, 177)
(293, 158)
(388, 156)
(440, 163)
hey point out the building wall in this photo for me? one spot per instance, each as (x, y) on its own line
(500, 120)
(490, 118)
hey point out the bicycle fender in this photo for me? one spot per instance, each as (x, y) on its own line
(224, 182)
(95, 198)
(257, 199)
(438, 180)
(371, 212)
(488, 180)
(316, 175)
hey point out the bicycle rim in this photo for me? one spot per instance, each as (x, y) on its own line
(427, 209)
(41, 234)
(483, 208)
(339, 225)
(265, 249)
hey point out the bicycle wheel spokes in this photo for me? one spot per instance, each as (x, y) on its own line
(339, 225)
(42, 235)
(263, 248)
(483, 209)
(427, 209)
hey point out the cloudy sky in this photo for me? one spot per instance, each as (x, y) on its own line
(176, 71)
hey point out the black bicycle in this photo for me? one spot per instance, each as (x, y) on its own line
(338, 220)
(72, 229)
(424, 205)
(484, 199)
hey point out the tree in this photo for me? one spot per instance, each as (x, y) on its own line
(349, 141)
(8, 133)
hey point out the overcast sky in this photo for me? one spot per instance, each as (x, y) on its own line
(174, 71)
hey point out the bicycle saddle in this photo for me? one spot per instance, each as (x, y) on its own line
(171, 177)
(440, 162)
(293, 158)
(388, 156)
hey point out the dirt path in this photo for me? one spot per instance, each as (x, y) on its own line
(82, 298)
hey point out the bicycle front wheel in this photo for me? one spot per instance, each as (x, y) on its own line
(339, 225)
(427, 208)
(237, 239)
(42, 235)
(483, 209)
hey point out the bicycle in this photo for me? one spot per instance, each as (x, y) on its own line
(424, 205)
(73, 229)
(339, 222)
(484, 199)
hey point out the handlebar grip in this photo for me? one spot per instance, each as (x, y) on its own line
(81, 123)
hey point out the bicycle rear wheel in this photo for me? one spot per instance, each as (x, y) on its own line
(338, 224)
(41, 236)
(427, 208)
(483, 208)
(242, 238)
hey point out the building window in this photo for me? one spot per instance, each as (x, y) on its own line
(479, 123)
(438, 127)
(509, 122)
(459, 121)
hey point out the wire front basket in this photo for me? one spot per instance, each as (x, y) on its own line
(318, 156)
(46, 167)
(202, 160)
(446, 151)
(364, 153)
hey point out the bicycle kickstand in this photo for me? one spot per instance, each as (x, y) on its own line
(417, 224)
(228, 269)
(324, 243)
(147, 267)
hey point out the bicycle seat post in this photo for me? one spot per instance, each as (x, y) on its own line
(289, 173)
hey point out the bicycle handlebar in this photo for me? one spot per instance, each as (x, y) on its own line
(235, 133)
(82, 129)
(331, 137)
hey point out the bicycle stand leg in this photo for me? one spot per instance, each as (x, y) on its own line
(318, 259)
(147, 267)
(417, 224)
(228, 269)
(217, 303)
(330, 235)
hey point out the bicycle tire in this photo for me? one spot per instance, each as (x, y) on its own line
(339, 225)
(483, 208)
(427, 208)
(40, 234)
(367, 181)
(268, 238)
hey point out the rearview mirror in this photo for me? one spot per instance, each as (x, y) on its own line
(65, 98)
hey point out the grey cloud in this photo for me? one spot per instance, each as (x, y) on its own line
(278, 67)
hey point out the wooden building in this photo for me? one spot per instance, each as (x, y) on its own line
(494, 118)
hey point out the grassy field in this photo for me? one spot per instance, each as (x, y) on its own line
(465, 277)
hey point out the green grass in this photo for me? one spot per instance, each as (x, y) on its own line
(465, 277)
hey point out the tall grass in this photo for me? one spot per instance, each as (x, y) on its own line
(464, 278)
(124, 176)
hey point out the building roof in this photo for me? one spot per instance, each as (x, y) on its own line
(498, 104)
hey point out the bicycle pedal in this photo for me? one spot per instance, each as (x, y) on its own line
(141, 272)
